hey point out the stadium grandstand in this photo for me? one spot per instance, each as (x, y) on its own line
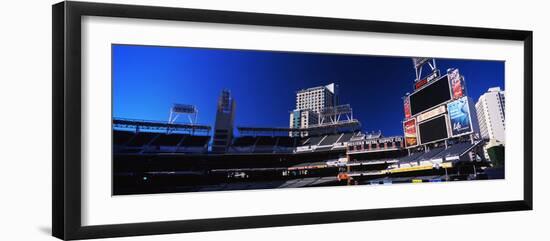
(325, 137)
(138, 136)
(170, 157)
(459, 160)
(155, 157)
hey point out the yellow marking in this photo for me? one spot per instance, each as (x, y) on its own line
(420, 168)
(446, 165)
(411, 169)
(416, 180)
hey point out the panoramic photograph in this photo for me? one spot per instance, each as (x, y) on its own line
(187, 119)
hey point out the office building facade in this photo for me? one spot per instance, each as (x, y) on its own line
(309, 102)
(491, 116)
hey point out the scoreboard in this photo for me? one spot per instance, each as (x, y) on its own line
(433, 94)
(438, 109)
(433, 130)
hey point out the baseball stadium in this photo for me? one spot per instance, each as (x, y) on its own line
(323, 144)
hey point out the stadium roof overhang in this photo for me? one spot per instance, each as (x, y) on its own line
(158, 125)
(351, 125)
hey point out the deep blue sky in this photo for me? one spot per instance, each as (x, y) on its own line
(147, 80)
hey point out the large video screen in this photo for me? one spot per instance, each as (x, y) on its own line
(435, 129)
(430, 96)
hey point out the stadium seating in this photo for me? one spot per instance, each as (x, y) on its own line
(432, 153)
(142, 138)
(330, 139)
(345, 137)
(266, 141)
(311, 141)
(438, 153)
(324, 148)
(195, 141)
(168, 139)
(286, 141)
(178, 142)
(281, 144)
(122, 137)
(264, 144)
(456, 149)
(412, 157)
(304, 141)
(151, 142)
(263, 149)
(324, 142)
(244, 141)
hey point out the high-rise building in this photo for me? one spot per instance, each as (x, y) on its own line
(317, 98)
(303, 118)
(225, 116)
(490, 113)
(309, 102)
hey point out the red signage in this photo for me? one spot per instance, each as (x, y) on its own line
(411, 138)
(426, 80)
(407, 106)
(420, 83)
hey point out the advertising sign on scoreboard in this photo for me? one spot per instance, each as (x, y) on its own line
(429, 114)
(411, 137)
(457, 84)
(426, 80)
(420, 83)
(460, 117)
(407, 106)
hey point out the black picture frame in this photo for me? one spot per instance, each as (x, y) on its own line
(66, 75)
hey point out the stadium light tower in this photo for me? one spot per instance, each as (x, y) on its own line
(420, 62)
(190, 111)
(335, 114)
